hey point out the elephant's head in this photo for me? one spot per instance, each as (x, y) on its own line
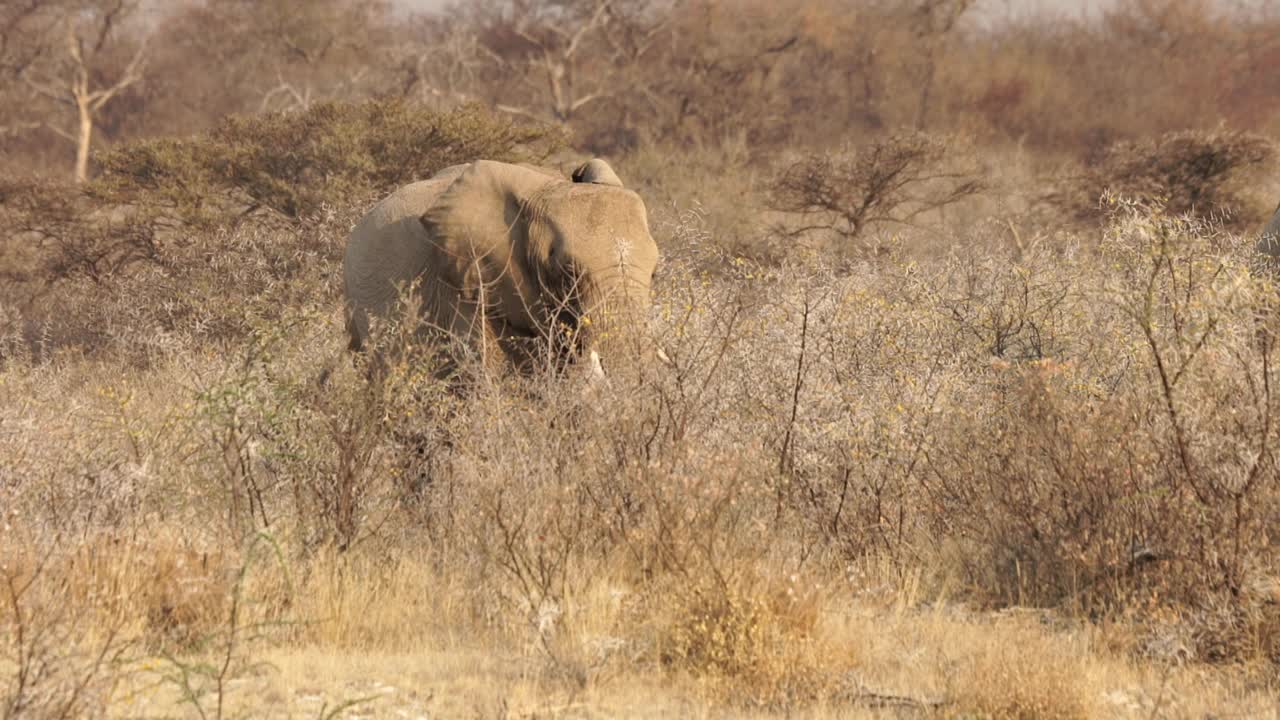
(594, 256)
(567, 263)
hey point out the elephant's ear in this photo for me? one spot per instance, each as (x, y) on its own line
(598, 172)
(549, 172)
(450, 173)
(482, 208)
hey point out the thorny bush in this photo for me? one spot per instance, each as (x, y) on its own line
(892, 181)
(1206, 173)
(1083, 427)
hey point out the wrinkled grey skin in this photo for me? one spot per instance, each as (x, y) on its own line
(1269, 241)
(518, 262)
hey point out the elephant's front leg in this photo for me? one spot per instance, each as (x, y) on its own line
(483, 338)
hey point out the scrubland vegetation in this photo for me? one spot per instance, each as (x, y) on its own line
(971, 409)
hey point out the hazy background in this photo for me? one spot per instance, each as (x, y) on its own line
(988, 7)
(1060, 76)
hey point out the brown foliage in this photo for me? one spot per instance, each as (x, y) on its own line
(1202, 173)
(54, 232)
(895, 180)
(622, 72)
(294, 163)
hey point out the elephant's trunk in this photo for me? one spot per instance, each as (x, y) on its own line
(612, 325)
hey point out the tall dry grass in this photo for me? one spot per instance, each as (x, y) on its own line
(200, 475)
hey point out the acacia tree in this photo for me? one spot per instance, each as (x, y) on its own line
(894, 180)
(80, 77)
(563, 55)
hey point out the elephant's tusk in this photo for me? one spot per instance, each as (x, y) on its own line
(597, 370)
(662, 355)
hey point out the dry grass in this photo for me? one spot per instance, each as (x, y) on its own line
(399, 641)
(834, 504)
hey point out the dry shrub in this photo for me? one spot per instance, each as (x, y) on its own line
(79, 611)
(1137, 476)
(892, 181)
(185, 594)
(96, 622)
(331, 154)
(717, 184)
(1077, 427)
(756, 641)
(185, 295)
(53, 232)
(1206, 173)
(1071, 424)
(679, 531)
(56, 661)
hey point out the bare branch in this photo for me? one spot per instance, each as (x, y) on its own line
(70, 80)
(18, 128)
(892, 181)
(10, 28)
(577, 104)
(110, 18)
(60, 132)
(299, 99)
(587, 27)
(536, 42)
(47, 90)
(513, 110)
(75, 46)
(132, 74)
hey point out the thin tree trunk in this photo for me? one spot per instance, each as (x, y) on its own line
(926, 91)
(84, 139)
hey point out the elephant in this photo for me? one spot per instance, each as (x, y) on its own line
(1269, 241)
(596, 171)
(522, 265)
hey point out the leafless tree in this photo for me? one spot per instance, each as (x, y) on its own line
(933, 21)
(895, 180)
(441, 65)
(324, 52)
(567, 54)
(79, 77)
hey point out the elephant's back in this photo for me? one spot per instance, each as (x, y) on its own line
(409, 201)
(391, 230)
(387, 248)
